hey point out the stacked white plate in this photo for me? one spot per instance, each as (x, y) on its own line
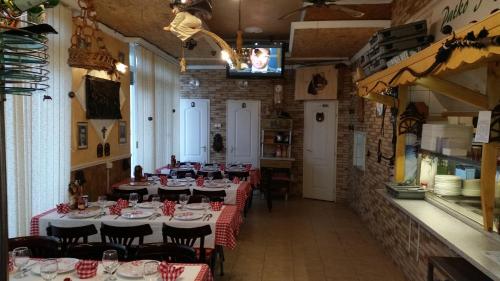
(472, 188)
(447, 185)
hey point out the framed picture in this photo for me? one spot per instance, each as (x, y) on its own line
(82, 135)
(122, 132)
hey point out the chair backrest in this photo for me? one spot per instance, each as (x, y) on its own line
(40, 246)
(238, 174)
(124, 194)
(216, 174)
(125, 235)
(169, 252)
(147, 175)
(172, 195)
(214, 195)
(71, 235)
(182, 173)
(93, 251)
(187, 237)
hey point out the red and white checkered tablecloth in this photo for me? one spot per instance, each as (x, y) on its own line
(254, 177)
(244, 190)
(205, 273)
(35, 222)
(228, 226)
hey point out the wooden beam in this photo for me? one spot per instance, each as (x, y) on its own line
(454, 91)
(401, 139)
(386, 100)
(488, 183)
(493, 84)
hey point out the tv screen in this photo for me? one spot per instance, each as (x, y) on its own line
(102, 98)
(260, 61)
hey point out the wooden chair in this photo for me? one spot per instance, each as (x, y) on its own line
(182, 173)
(93, 251)
(71, 235)
(172, 194)
(187, 237)
(240, 175)
(216, 174)
(166, 252)
(147, 175)
(214, 195)
(40, 246)
(124, 235)
(125, 194)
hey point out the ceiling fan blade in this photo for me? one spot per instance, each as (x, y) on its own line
(353, 13)
(294, 12)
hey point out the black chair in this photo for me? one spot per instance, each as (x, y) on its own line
(216, 174)
(125, 194)
(71, 235)
(147, 175)
(93, 251)
(40, 246)
(172, 195)
(182, 173)
(166, 252)
(240, 175)
(124, 235)
(188, 163)
(214, 195)
(187, 237)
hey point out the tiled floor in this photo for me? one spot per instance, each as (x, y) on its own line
(306, 240)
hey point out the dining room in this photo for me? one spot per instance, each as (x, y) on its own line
(245, 140)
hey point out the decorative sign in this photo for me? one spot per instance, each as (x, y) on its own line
(483, 127)
(316, 83)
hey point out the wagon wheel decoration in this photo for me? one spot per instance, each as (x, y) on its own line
(495, 124)
(411, 121)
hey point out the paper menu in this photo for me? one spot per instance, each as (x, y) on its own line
(483, 127)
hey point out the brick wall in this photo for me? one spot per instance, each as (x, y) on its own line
(215, 86)
(402, 10)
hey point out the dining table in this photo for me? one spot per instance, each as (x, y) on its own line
(192, 272)
(225, 224)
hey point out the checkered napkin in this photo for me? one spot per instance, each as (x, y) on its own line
(163, 180)
(122, 203)
(216, 206)
(197, 166)
(236, 180)
(248, 167)
(169, 208)
(86, 269)
(63, 208)
(200, 181)
(170, 272)
(116, 209)
(222, 167)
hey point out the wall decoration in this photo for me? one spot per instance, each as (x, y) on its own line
(122, 132)
(107, 149)
(316, 83)
(82, 136)
(100, 150)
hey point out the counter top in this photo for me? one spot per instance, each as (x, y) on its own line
(468, 242)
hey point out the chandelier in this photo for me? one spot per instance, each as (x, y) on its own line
(87, 47)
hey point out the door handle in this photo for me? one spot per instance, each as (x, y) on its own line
(204, 148)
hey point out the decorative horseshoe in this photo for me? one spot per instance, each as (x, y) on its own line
(320, 116)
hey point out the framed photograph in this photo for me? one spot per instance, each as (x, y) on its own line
(122, 132)
(82, 135)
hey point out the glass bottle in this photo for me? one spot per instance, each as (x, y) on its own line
(81, 203)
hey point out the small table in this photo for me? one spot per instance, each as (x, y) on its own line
(455, 269)
(268, 166)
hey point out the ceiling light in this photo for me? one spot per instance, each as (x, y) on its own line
(253, 29)
(121, 67)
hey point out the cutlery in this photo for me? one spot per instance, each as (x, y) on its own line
(171, 217)
(62, 216)
(116, 217)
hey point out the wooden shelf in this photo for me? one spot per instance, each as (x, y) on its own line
(464, 160)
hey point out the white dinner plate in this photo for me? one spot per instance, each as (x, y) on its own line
(188, 216)
(133, 269)
(108, 204)
(139, 183)
(83, 214)
(176, 184)
(195, 206)
(136, 214)
(214, 185)
(64, 265)
(146, 205)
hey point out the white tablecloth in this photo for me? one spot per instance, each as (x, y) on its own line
(153, 189)
(58, 220)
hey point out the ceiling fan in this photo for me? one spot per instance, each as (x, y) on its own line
(325, 4)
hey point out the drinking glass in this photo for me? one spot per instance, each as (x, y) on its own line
(21, 258)
(183, 199)
(133, 199)
(110, 263)
(101, 201)
(173, 174)
(226, 177)
(48, 269)
(205, 203)
(155, 201)
(151, 272)
(210, 177)
(189, 177)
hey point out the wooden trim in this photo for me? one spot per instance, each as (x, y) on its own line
(99, 162)
(401, 139)
(454, 91)
(488, 174)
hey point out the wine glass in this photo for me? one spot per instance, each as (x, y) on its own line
(110, 263)
(210, 177)
(48, 269)
(101, 201)
(151, 272)
(173, 174)
(183, 199)
(226, 177)
(155, 201)
(189, 177)
(205, 203)
(21, 258)
(133, 198)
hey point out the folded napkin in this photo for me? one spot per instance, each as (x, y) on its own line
(248, 167)
(222, 167)
(63, 208)
(116, 209)
(86, 269)
(236, 180)
(164, 180)
(170, 272)
(200, 181)
(169, 208)
(122, 203)
(216, 206)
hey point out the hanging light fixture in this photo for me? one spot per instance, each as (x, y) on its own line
(87, 47)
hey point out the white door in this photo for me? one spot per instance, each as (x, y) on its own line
(243, 131)
(195, 124)
(320, 145)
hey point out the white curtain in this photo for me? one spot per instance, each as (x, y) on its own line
(153, 98)
(38, 136)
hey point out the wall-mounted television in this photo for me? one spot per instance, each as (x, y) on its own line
(260, 61)
(102, 98)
